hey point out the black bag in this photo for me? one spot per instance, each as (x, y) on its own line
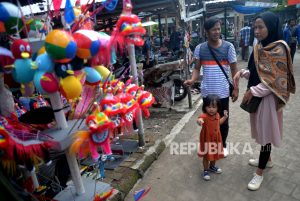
(252, 106)
(231, 87)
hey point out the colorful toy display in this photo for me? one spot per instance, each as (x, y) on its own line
(68, 66)
(23, 70)
(86, 142)
(44, 80)
(87, 43)
(61, 46)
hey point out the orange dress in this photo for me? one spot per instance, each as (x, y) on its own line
(210, 138)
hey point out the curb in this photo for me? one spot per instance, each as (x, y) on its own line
(141, 166)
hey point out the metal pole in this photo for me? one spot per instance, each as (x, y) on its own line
(159, 27)
(140, 125)
(225, 21)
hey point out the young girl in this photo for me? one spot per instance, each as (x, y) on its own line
(211, 148)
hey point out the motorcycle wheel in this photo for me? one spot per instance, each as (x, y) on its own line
(180, 90)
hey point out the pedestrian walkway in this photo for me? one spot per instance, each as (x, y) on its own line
(178, 177)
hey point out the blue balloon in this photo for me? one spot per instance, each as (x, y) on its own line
(92, 76)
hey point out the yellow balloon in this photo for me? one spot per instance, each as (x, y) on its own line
(104, 72)
(70, 87)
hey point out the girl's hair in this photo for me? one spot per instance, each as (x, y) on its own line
(211, 99)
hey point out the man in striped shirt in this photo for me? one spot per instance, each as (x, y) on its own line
(214, 81)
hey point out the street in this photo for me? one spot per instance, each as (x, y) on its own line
(177, 174)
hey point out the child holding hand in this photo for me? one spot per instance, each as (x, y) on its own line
(211, 148)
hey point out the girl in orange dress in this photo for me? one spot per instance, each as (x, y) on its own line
(211, 148)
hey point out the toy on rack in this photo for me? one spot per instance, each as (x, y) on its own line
(128, 29)
(44, 80)
(145, 100)
(21, 145)
(23, 69)
(87, 142)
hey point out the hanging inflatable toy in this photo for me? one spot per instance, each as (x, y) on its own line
(70, 86)
(129, 110)
(60, 46)
(92, 76)
(44, 80)
(86, 142)
(23, 68)
(111, 5)
(145, 100)
(111, 105)
(10, 19)
(87, 43)
(128, 29)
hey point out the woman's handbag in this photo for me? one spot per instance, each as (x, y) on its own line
(252, 106)
(231, 87)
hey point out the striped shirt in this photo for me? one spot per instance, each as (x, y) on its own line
(214, 81)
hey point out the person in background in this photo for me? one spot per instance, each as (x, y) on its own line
(213, 79)
(262, 74)
(147, 51)
(245, 41)
(290, 36)
(175, 39)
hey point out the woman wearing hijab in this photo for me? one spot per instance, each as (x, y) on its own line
(270, 77)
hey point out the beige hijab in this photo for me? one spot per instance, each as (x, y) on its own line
(275, 69)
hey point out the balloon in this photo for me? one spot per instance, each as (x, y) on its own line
(61, 46)
(104, 72)
(92, 76)
(87, 43)
(10, 18)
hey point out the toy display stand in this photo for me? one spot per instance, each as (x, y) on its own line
(91, 185)
(62, 136)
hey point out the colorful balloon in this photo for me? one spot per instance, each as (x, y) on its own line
(45, 82)
(10, 18)
(70, 87)
(23, 71)
(104, 72)
(92, 76)
(61, 46)
(88, 43)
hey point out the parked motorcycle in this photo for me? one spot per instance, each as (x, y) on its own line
(176, 76)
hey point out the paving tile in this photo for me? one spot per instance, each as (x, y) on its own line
(281, 197)
(296, 193)
(281, 186)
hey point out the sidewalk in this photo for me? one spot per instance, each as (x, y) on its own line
(178, 177)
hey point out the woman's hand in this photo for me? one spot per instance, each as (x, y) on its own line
(247, 97)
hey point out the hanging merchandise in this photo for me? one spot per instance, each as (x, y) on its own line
(145, 100)
(87, 142)
(88, 43)
(111, 5)
(44, 80)
(60, 46)
(21, 146)
(10, 19)
(23, 69)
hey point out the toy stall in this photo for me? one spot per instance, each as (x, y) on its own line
(63, 112)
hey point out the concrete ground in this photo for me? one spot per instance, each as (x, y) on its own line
(178, 177)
